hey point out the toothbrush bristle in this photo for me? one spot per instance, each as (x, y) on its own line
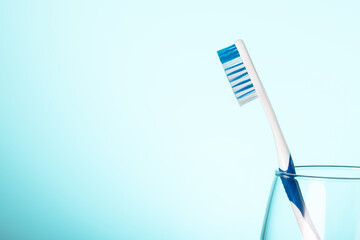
(237, 74)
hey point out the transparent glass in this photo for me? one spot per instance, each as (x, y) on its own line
(332, 196)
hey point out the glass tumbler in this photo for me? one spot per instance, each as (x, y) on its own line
(331, 195)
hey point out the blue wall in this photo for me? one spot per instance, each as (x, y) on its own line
(117, 121)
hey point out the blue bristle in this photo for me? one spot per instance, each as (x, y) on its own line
(237, 74)
(246, 94)
(244, 88)
(239, 70)
(241, 83)
(228, 54)
(236, 65)
(238, 77)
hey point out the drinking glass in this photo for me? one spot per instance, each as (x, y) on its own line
(332, 197)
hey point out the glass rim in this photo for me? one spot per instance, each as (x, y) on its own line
(279, 173)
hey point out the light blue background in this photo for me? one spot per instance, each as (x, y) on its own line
(117, 121)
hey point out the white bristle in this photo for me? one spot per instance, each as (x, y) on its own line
(240, 81)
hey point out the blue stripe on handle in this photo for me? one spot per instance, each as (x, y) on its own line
(292, 187)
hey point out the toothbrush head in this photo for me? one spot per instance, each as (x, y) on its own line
(236, 66)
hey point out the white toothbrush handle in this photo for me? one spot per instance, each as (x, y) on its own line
(281, 146)
(284, 158)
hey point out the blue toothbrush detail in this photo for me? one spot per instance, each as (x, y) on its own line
(292, 188)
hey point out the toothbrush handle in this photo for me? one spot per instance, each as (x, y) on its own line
(284, 158)
(281, 146)
(292, 187)
(296, 199)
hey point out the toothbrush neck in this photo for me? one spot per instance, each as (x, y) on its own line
(281, 145)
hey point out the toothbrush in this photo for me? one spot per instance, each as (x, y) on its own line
(246, 85)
